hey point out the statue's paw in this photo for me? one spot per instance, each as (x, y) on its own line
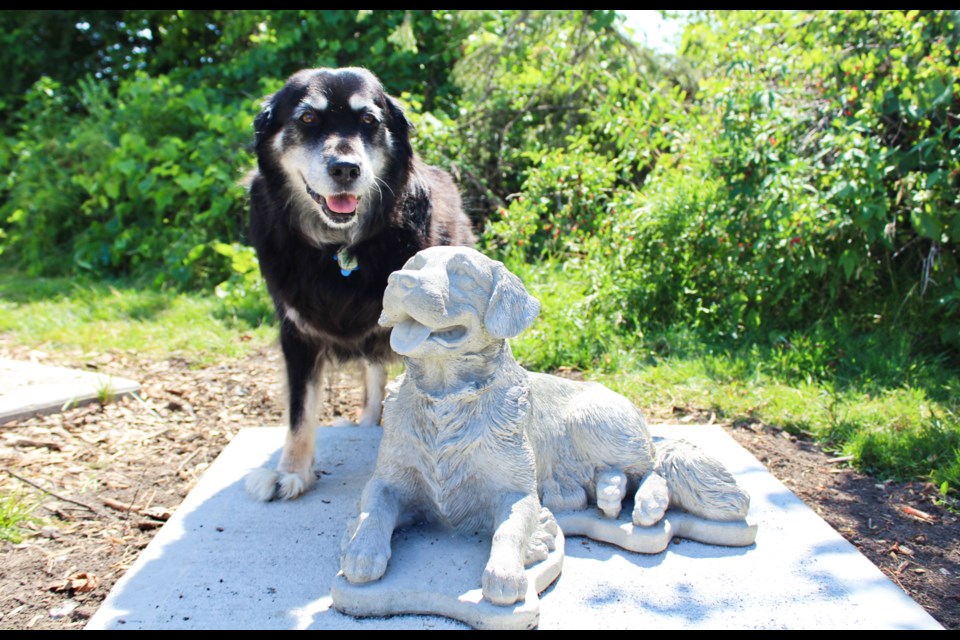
(537, 551)
(548, 524)
(363, 561)
(544, 539)
(651, 501)
(563, 497)
(504, 585)
(611, 490)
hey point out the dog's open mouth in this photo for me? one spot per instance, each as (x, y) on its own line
(408, 335)
(340, 207)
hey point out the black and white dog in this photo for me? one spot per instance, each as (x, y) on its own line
(339, 201)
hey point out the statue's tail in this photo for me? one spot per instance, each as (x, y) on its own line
(698, 483)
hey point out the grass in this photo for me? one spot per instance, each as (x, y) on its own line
(15, 511)
(105, 390)
(92, 316)
(899, 433)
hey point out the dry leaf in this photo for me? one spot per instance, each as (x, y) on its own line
(83, 582)
(916, 513)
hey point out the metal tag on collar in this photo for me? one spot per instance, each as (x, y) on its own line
(348, 263)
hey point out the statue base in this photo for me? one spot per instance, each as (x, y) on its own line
(436, 572)
(675, 524)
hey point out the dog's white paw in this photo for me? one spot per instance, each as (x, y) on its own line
(504, 584)
(262, 484)
(292, 485)
(370, 416)
(611, 490)
(651, 501)
(364, 559)
(268, 484)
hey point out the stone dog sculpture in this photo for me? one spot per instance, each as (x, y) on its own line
(475, 442)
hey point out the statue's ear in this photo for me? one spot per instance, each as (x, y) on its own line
(510, 309)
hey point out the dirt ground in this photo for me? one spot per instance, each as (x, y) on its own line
(105, 477)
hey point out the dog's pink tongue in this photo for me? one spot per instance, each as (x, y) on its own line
(343, 203)
(408, 335)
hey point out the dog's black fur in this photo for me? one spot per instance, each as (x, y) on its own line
(324, 315)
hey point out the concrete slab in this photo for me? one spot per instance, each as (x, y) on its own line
(225, 561)
(28, 388)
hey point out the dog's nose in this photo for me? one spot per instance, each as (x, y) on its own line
(344, 172)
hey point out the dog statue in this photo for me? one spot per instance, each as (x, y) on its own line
(475, 442)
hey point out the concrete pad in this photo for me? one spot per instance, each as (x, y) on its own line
(225, 561)
(28, 388)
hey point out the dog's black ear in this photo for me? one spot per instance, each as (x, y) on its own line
(263, 121)
(510, 309)
(400, 126)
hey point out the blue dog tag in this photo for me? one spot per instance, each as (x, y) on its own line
(348, 264)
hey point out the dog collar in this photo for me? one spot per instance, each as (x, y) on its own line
(348, 263)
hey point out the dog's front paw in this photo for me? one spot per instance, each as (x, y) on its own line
(262, 484)
(268, 484)
(651, 501)
(504, 585)
(367, 418)
(364, 559)
(370, 416)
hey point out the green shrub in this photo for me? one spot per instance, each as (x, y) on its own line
(139, 182)
(814, 174)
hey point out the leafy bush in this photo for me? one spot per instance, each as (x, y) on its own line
(834, 163)
(139, 182)
(813, 172)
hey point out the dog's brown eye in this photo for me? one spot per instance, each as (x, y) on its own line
(309, 117)
(368, 119)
